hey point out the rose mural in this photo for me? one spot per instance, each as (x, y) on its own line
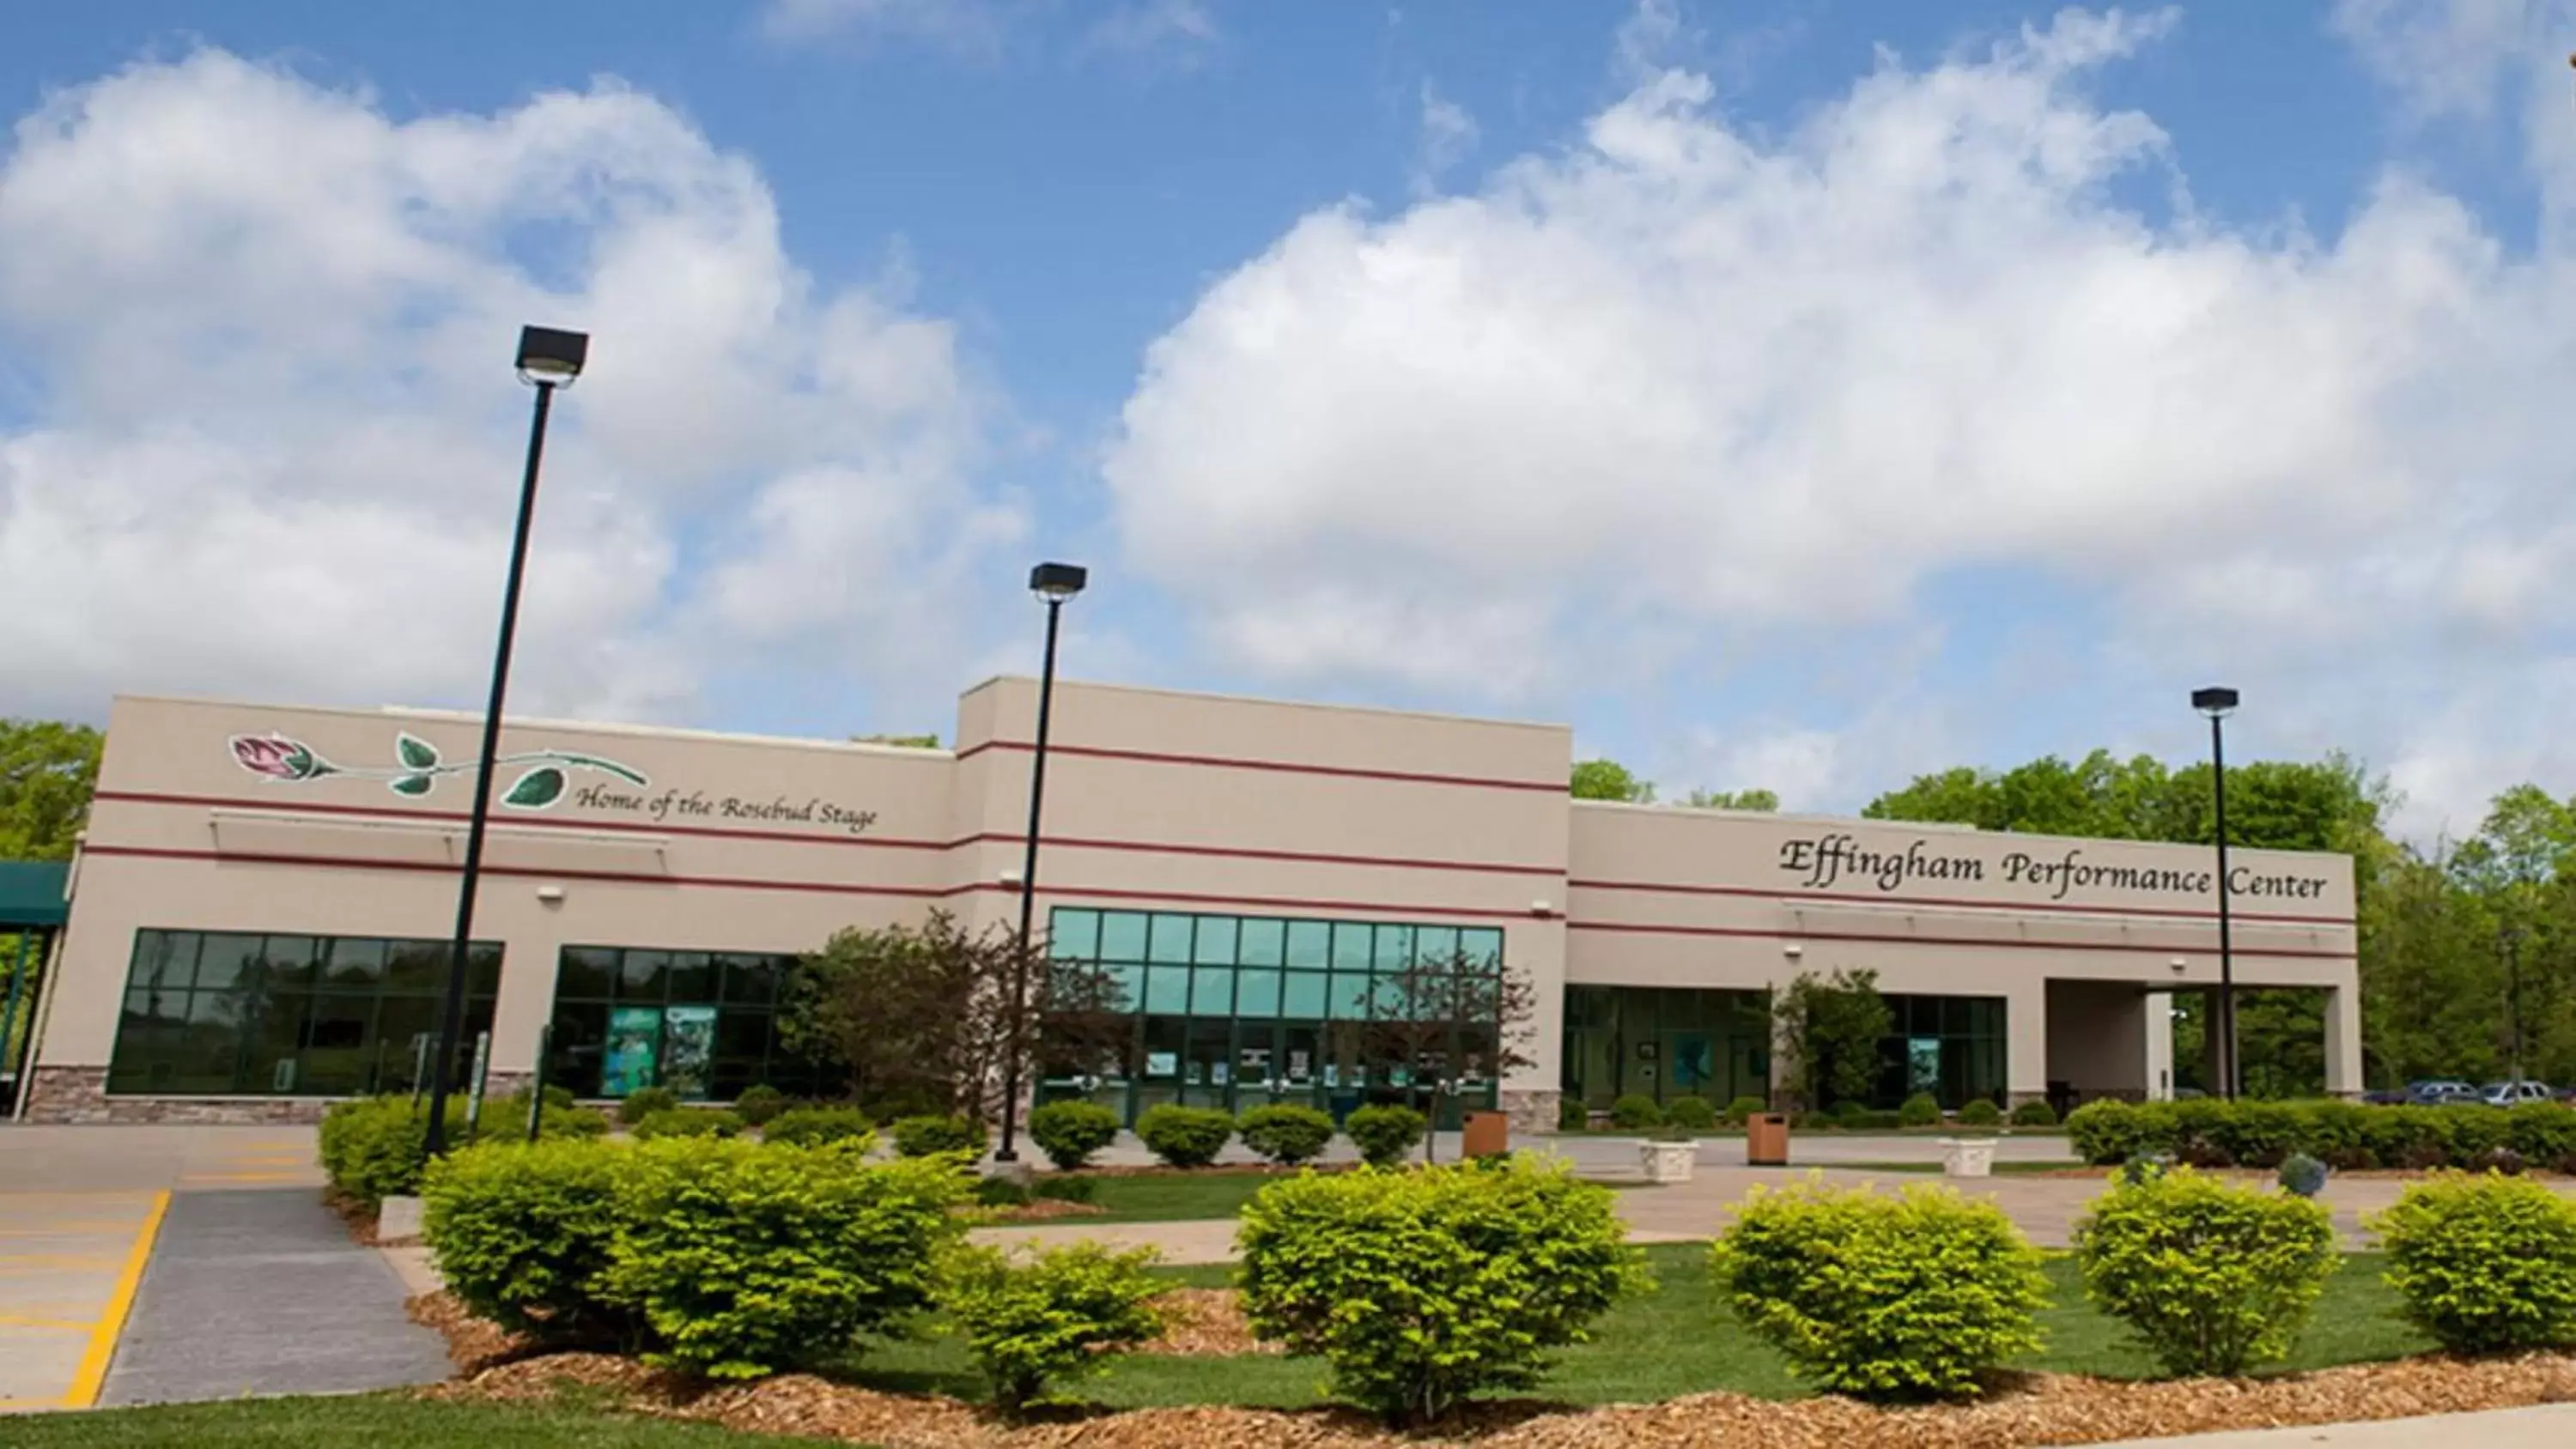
(417, 769)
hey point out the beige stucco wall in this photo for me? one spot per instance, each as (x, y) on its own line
(1154, 800)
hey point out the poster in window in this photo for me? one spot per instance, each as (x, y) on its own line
(688, 1042)
(1923, 1064)
(634, 1039)
(1162, 1064)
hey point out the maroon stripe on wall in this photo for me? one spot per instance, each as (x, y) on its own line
(1763, 893)
(1373, 908)
(1230, 762)
(1981, 944)
(1231, 852)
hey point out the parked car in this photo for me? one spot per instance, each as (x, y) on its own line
(2439, 1091)
(2388, 1096)
(2515, 1093)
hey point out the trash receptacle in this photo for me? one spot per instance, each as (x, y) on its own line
(1766, 1139)
(1487, 1134)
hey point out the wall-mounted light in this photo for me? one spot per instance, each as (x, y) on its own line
(1542, 907)
(2179, 965)
(1793, 950)
(550, 894)
(1010, 875)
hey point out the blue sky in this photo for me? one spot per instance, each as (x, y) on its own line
(1788, 394)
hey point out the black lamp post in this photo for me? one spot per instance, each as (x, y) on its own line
(2217, 701)
(548, 359)
(1054, 583)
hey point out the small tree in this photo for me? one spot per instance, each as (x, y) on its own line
(1826, 1031)
(1445, 1019)
(923, 1017)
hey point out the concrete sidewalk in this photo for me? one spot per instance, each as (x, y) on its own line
(2551, 1426)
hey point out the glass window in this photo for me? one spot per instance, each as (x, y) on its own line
(1303, 995)
(165, 959)
(751, 980)
(1212, 991)
(1122, 936)
(1394, 947)
(1129, 983)
(1167, 991)
(1436, 943)
(1256, 993)
(227, 962)
(1171, 939)
(1483, 944)
(1072, 933)
(290, 961)
(693, 976)
(1261, 943)
(586, 973)
(1310, 944)
(1354, 946)
(1350, 996)
(644, 976)
(354, 965)
(1216, 938)
(418, 966)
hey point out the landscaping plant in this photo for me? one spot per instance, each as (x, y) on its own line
(1185, 1136)
(2213, 1279)
(1914, 1296)
(1029, 1324)
(930, 1136)
(1636, 1112)
(813, 1126)
(1920, 1110)
(1385, 1134)
(521, 1233)
(1071, 1132)
(2034, 1114)
(373, 1148)
(758, 1104)
(1691, 1114)
(1423, 1288)
(2484, 1264)
(749, 1258)
(1980, 1112)
(688, 1122)
(643, 1102)
(1287, 1135)
(2302, 1175)
(1741, 1110)
(1572, 1115)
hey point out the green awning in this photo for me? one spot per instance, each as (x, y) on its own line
(31, 893)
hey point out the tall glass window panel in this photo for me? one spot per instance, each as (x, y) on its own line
(1394, 947)
(1310, 944)
(1073, 934)
(1354, 946)
(1212, 991)
(1171, 941)
(1303, 995)
(1167, 991)
(1122, 935)
(1215, 943)
(1256, 993)
(1262, 943)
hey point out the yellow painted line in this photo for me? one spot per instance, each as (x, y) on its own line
(92, 1374)
(20, 1320)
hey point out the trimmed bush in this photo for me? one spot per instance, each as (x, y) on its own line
(1850, 1111)
(1066, 1188)
(999, 1192)
(1914, 1296)
(1636, 1112)
(688, 1122)
(1031, 1324)
(2145, 1167)
(1424, 1288)
(931, 1136)
(1286, 1135)
(814, 1126)
(2484, 1264)
(643, 1102)
(1920, 1110)
(2541, 1131)
(2106, 1132)
(2212, 1279)
(1979, 1112)
(1185, 1136)
(748, 1258)
(2302, 1175)
(373, 1148)
(2034, 1114)
(1741, 1110)
(1572, 1115)
(758, 1104)
(1691, 1114)
(1385, 1134)
(522, 1232)
(1070, 1132)
(507, 1117)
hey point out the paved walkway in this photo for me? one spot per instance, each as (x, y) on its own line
(2551, 1426)
(69, 1263)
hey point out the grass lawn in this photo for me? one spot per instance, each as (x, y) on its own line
(378, 1422)
(1674, 1340)
(1190, 1196)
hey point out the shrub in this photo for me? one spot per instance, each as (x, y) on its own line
(1850, 1111)
(1185, 1136)
(748, 1258)
(1741, 1110)
(2473, 1130)
(2105, 1132)
(643, 1102)
(1920, 1110)
(930, 1136)
(1423, 1288)
(999, 1192)
(1879, 1297)
(373, 1148)
(2541, 1131)
(688, 1122)
(561, 1116)
(2212, 1279)
(2484, 1264)
(813, 1126)
(2034, 1114)
(758, 1104)
(1286, 1135)
(2146, 1167)
(1696, 1114)
(1066, 1188)
(1572, 1115)
(1027, 1324)
(521, 1232)
(1385, 1134)
(1636, 1112)
(1070, 1132)
(1979, 1112)
(2303, 1175)
(2259, 1134)
(2338, 1135)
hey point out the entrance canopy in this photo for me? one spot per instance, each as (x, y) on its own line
(31, 894)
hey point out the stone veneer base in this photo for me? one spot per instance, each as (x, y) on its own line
(1531, 1112)
(77, 1096)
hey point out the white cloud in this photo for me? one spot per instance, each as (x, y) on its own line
(2448, 56)
(272, 444)
(1178, 29)
(1681, 376)
(1177, 32)
(978, 27)
(1448, 135)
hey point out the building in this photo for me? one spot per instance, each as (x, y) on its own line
(260, 904)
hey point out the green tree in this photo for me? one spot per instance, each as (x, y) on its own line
(1610, 780)
(1731, 800)
(1826, 1031)
(47, 771)
(908, 742)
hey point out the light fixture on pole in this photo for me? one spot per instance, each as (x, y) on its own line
(549, 358)
(1054, 583)
(2218, 701)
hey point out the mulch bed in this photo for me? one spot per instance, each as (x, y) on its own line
(2028, 1409)
(1039, 1210)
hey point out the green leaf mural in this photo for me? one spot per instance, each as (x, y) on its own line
(413, 785)
(415, 753)
(536, 789)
